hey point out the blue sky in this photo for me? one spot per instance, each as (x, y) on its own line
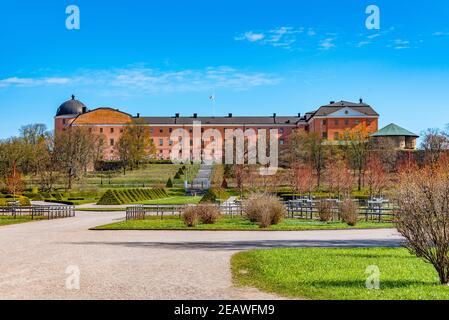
(259, 57)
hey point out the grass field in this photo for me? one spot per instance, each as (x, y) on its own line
(147, 175)
(237, 223)
(174, 200)
(7, 220)
(338, 274)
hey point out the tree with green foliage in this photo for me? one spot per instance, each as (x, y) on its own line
(135, 145)
(169, 183)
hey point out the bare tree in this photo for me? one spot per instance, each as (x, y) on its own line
(377, 176)
(339, 178)
(434, 143)
(357, 147)
(75, 150)
(309, 148)
(423, 218)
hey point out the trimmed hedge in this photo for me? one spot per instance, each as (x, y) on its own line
(128, 196)
(213, 195)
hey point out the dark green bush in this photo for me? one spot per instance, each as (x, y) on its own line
(128, 196)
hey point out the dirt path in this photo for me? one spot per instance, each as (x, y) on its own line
(142, 264)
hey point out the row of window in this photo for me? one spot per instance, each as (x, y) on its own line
(346, 122)
(170, 130)
(170, 142)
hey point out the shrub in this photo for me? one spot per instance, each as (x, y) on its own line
(213, 194)
(190, 216)
(349, 212)
(208, 214)
(324, 209)
(169, 183)
(24, 201)
(264, 209)
(177, 176)
(128, 196)
(38, 197)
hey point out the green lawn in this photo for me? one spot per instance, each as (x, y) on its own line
(149, 175)
(7, 220)
(237, 223)
(174, 200)
(337, 274)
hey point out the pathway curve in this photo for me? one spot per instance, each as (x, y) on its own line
(142, 264)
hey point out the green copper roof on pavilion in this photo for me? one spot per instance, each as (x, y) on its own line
(393, 130)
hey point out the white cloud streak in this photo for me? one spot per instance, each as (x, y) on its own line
(148, 80)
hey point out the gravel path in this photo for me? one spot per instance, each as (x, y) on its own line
(142, 264)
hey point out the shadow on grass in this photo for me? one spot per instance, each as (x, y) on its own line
(253, 244)
(360, 284)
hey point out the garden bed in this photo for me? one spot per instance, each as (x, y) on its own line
(234, 224)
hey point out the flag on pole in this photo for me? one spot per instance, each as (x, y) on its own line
(212, 97)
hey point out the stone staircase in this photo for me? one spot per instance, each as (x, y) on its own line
(202, 182)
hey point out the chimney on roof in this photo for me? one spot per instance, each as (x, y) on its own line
(138, 115)
(176, 115)
(230, 115)
(73, 97)
(332, 102)
(195, 115)
(274, 115)
(84, 110)
(299, 115)
(361, 100)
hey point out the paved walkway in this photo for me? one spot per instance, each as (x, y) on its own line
(142, 264)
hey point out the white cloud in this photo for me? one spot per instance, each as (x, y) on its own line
(250, 36)
(400, 44)
(283, 37)
(143, 79)
(16, 81)
(440, 33)
(362, 44)
(327, 43)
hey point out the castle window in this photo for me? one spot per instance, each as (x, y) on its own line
(170, 130)
(101, 130)
(112, 142)
(151, 130)
(64, 121)
(324, 135)
(357, 122)
(336, 122)
(161, 130)
(281, 130)
(368, 122)
(161, 142)
(336, 136)
(346, 122)
(112, 130)
(281, 142)
(324, 122)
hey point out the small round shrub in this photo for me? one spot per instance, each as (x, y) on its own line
(349, 212)
(324, 209)
(208, 213)
(190, 217)
(264, 209)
